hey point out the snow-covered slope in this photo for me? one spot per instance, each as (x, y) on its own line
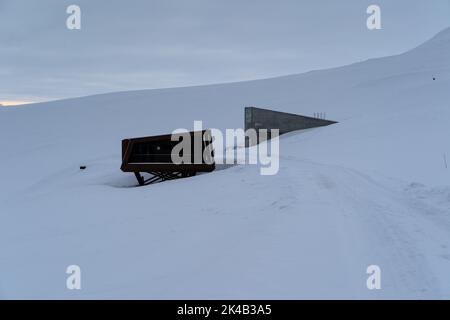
(373, 189)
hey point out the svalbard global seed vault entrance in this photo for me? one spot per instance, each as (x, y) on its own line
(155, 155)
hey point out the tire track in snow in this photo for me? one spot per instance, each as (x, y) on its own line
(393, 228)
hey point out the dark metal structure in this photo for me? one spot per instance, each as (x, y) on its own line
(257, 118)
(154, 155)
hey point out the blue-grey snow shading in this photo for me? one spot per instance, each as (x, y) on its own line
(372, 189)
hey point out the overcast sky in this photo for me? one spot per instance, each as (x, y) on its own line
(140, 44)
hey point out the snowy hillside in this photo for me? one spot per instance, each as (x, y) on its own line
(372, 189)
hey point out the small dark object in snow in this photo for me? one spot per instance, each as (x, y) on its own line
(434, 78)
(82, 167)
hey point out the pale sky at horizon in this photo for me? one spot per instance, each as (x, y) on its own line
(141, 44)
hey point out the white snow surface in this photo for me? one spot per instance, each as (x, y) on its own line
(370, 190)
